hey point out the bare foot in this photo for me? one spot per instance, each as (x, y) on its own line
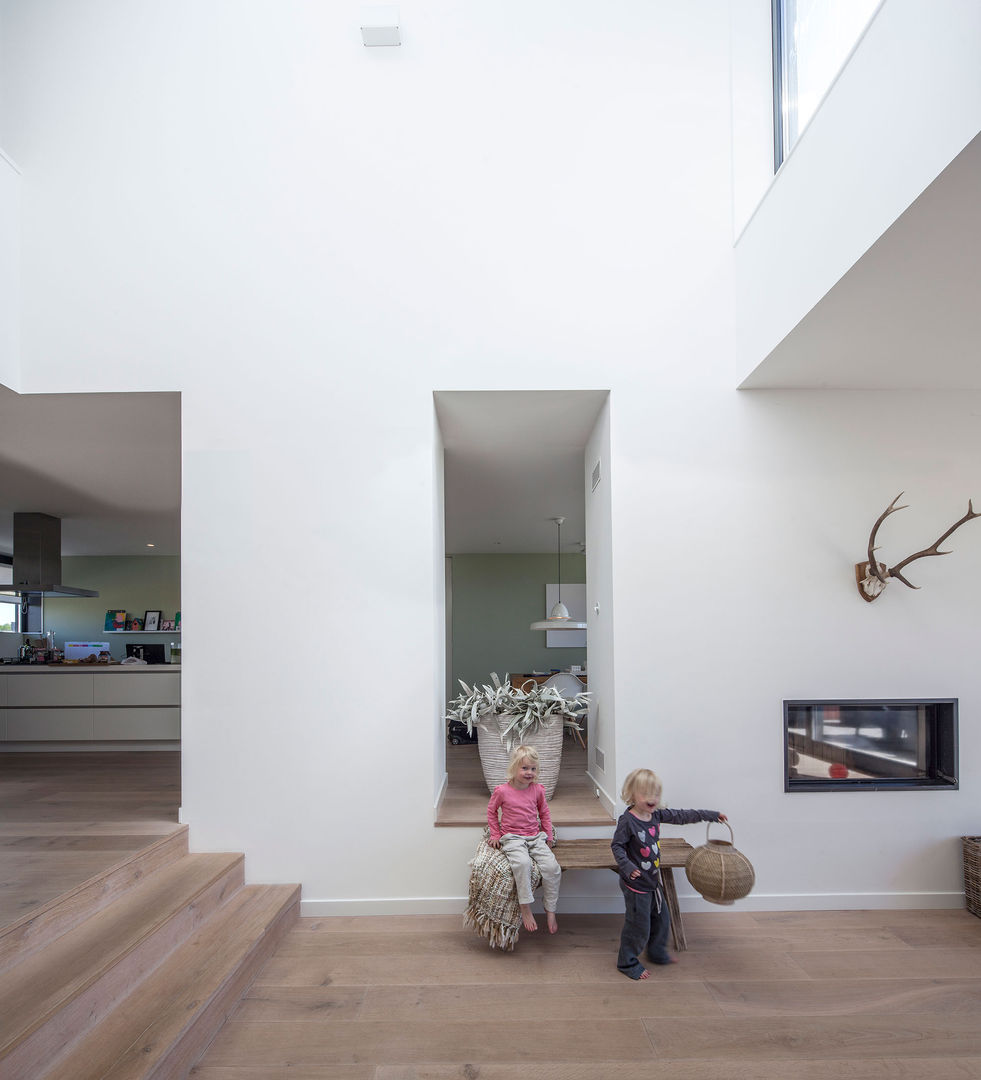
(643, 975)
(527, 919)
(553, 922)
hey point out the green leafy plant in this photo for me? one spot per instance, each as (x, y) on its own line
(519, 712)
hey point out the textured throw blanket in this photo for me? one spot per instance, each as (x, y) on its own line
(493, 911)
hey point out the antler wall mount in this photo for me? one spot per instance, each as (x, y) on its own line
(872, 576)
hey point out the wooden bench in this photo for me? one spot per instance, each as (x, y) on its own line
(597, 855)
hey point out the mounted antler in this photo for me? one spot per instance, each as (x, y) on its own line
(872, 576)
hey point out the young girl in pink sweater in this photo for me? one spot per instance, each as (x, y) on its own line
(524, 833)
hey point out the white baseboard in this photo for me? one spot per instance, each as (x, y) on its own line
(426, 905)
(89, 746)
(440, 794)
(613, 904)
(608, 803)
(830, 902)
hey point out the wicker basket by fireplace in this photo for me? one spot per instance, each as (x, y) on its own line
(972, 873)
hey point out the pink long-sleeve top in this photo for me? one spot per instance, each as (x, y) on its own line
(522, 809)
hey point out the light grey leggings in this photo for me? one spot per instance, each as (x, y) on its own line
(521, 852)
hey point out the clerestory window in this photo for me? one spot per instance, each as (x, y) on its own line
(812, 40)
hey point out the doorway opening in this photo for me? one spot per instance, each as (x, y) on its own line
(89, 753)
(513, 462)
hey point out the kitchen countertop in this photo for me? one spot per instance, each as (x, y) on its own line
(22, 669)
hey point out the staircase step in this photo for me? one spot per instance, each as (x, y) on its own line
(40, 927)
(164, 1025)
(53, 995)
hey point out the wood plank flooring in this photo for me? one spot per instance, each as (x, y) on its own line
(465, 799)
(841, 995)
(65, 817)
(823, 995)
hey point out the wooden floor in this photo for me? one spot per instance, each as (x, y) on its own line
(836, 995)
(465, 800)
(66, 817)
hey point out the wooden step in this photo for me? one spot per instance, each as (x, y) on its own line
(38, 928)
(162, 1027)
(56, 993)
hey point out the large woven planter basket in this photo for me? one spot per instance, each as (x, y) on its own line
(494, 755)
(718, 871)
(972, 873)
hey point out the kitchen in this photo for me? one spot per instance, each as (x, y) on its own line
(89, 586)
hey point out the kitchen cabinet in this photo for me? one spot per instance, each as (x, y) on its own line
(40, 689)
(138, 688)
(46, 725)
(118, 706)
(125, 723)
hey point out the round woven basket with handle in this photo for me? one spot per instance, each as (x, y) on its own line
(494, 755)
(719, 872)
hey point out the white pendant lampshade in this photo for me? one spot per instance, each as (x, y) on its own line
(559, 617)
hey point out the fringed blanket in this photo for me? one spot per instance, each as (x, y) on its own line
(493, 911)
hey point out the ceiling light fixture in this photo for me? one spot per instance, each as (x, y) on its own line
(559, 617)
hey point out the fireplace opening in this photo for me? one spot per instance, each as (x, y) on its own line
(870, 745)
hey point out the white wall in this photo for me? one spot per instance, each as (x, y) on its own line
(752, 107)
(599, 593)
(440, 614)
(906, 104)
(306, 237)
(10, 187)
(751, 510)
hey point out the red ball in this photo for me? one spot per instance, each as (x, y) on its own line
(837, 771)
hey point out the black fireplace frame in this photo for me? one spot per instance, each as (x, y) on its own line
(937, 736)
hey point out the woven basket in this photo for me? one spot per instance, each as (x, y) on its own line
(719, 872)
(494, 755)
(972, 873)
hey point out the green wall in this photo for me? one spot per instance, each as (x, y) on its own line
(137, 583)
(495, 599)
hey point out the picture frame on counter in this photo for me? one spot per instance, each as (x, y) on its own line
(167, 624)
(151, 620)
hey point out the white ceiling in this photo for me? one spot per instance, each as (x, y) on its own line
(108, 465)
(513, 461)
(907, 315)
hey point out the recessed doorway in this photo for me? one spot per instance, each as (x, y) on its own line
(513, 461)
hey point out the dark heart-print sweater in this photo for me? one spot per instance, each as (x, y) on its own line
(635, 844)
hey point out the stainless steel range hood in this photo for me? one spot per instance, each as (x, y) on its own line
(37, 558)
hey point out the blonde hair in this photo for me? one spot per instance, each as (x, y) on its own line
(640, 782)
(519, 754)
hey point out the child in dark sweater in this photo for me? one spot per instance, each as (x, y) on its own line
(635, 848)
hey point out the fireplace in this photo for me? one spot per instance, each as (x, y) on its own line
(870, 745)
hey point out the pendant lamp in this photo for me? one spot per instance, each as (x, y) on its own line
(559, 617)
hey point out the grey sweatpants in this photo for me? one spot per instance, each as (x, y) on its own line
(521, 851)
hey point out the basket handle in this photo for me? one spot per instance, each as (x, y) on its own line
(708, 826)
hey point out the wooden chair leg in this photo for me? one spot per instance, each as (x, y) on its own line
(671, 896)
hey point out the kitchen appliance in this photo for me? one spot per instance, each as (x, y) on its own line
(152, 654)
(37, 558)
(81, 650)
